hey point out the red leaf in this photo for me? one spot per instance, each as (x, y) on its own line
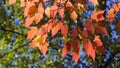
(100, 28)
(101, 49)
(64, 30)
(90, 51)
(89, 26)
(66, 48)
(12, 2)
(76, 56)
(84, 36)
(32, 32)
(94, 2)
(98, 16)
(74, 33)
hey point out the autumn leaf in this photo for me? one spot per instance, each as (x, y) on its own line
(44, 48)
(74, 33)
(32, 32)
(47, 12)
(89, 26)
(98, 16)
(101, 50)
(97, 41)
(29, 21)
(75, 56)
(95, 2)
(53, 11)
(64, 30)
(66, 48)
(111, 15)
(38, 17)
(84, 36)
(12, 2)
(90, 51)
(61, 12)
(55, 29)
(118, 27)
(100, 28)
(73, 15)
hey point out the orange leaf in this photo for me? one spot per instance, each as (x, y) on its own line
(74, 33)
(64, 30)
(44, 48)
(97, 41)
(89, 26)
(111, 14)
(94, 2)
(12, 2)
(32, 32)
(47, 12)
(76, 56)
(55, 29)
(90, 51)
(66, 48)
(53, 11)
(38, 17)
(73, 15)
(29, 21)
(98, 16)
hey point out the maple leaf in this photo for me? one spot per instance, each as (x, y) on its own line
(64, 30)
(98, 16)
(100, 28)
(90, 51)
(74, 33)
(95, 2)
(89, 26)
(66, 48)
(12, 2)
(32, 32)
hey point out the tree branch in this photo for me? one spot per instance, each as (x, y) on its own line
(14, 50)
(11, 31)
